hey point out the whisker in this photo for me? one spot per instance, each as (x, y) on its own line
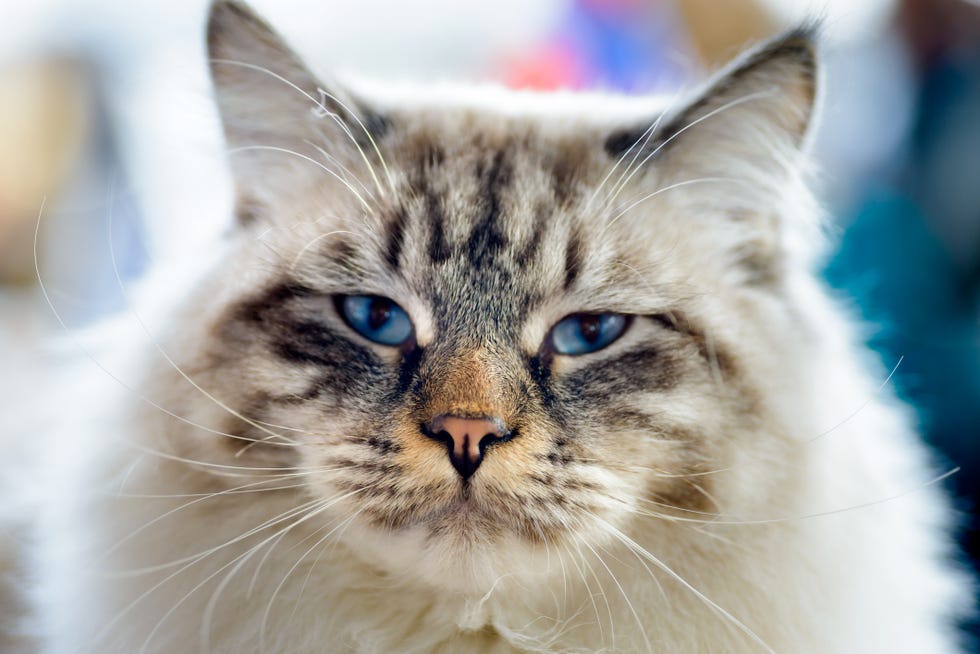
(806, 516)
(636, 617)
(190, 560)
(345, 171)
(588, 590)
(645, 138)
(236, 491)
(370, 137)
(670, 187)
(324, 111)
(91, 357)
(280, 470)
(258, 569)
(279, 586)
(166, 356)
(163, 516)
(208, 615)
(316, 562)
(864, 405)
(314, 241)
(714, 112)
(630, 543)
(248, 554)
(605, 598)
(274, 148)
(103, 632)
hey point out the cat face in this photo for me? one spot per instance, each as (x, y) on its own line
(471, 331)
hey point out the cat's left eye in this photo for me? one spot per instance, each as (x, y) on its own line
(377, 319)
(583, 333)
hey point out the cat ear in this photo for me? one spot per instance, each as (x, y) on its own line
(278, 119)
(735, 151)
(762, 100)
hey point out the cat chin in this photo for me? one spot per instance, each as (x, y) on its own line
(462, 559)
(468, 544)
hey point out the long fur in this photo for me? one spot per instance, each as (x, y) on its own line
(244, 473)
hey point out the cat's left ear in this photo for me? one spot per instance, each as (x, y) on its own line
(759, 104)
(734, 154)
(280, 122)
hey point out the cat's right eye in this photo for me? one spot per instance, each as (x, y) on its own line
(377, 319)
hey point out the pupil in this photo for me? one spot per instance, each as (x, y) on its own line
(379, 313)
(589, 325)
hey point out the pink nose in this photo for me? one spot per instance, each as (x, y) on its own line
(466, 439)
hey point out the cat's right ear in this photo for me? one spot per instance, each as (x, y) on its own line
(280, 122)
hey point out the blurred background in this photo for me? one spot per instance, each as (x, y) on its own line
(106, 121)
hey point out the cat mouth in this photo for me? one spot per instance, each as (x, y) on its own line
(465, 505)
(466, 510)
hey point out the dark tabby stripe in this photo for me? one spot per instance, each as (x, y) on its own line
(258, 308)
(395, 238)
(486, 239)
(438, 246)
(621, 141)
(529, 252)
(383, 445)
(565, 178)
(713, 353)
(343, 253)
(377, 125)
(540, 369)
(573, 258)
(642, 368)
(297, 337)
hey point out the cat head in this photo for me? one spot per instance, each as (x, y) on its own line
(483, 325)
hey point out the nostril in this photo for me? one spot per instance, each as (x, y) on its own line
(443, 436)
(466, 438)
(494, 437)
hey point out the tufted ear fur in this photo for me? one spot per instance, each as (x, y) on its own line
(744, 134)
(767, 93)
(279, 120)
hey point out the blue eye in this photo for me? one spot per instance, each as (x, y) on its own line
(377, 319)
(587, 332)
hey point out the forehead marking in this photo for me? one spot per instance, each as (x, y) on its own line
(486, 239)
(484, 229)
(439, 250)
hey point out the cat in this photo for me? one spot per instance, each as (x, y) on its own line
(488, 371)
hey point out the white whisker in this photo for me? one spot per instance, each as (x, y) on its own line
(370, 137)
(700, 180)
(697, 121)
(273, 148)
(324, 111)
(314, 241)
(344, 170)
(630, 543)
(863, 406)
(642, 142)
(629, 603)
(245, 556)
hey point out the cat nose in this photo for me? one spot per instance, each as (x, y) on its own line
(467, 438)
